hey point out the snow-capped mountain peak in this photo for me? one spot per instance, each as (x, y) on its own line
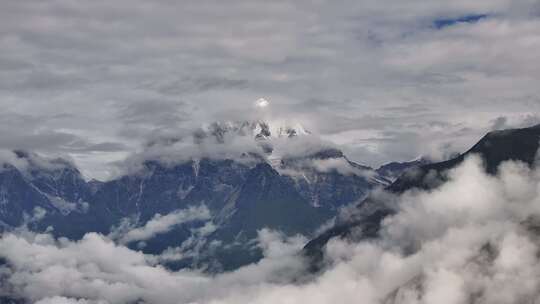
(258, 129)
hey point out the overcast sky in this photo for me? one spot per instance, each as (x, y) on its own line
(385, 80)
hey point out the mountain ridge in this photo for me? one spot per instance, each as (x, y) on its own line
(295, 193)
(494, 148)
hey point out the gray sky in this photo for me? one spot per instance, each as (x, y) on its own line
(96, 79)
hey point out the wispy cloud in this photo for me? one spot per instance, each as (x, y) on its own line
(126, 233)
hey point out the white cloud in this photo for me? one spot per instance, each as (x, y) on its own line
(340, 165)
(96, 269)
(125, 233)
(64, 300)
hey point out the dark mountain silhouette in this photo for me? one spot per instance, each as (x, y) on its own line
(494, 148)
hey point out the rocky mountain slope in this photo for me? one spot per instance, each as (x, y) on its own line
(494, 148)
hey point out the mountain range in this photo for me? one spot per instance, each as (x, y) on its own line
(191, 210)
(205, 213)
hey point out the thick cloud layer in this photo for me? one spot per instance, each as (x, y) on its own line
(473, 240)
(99, 79)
